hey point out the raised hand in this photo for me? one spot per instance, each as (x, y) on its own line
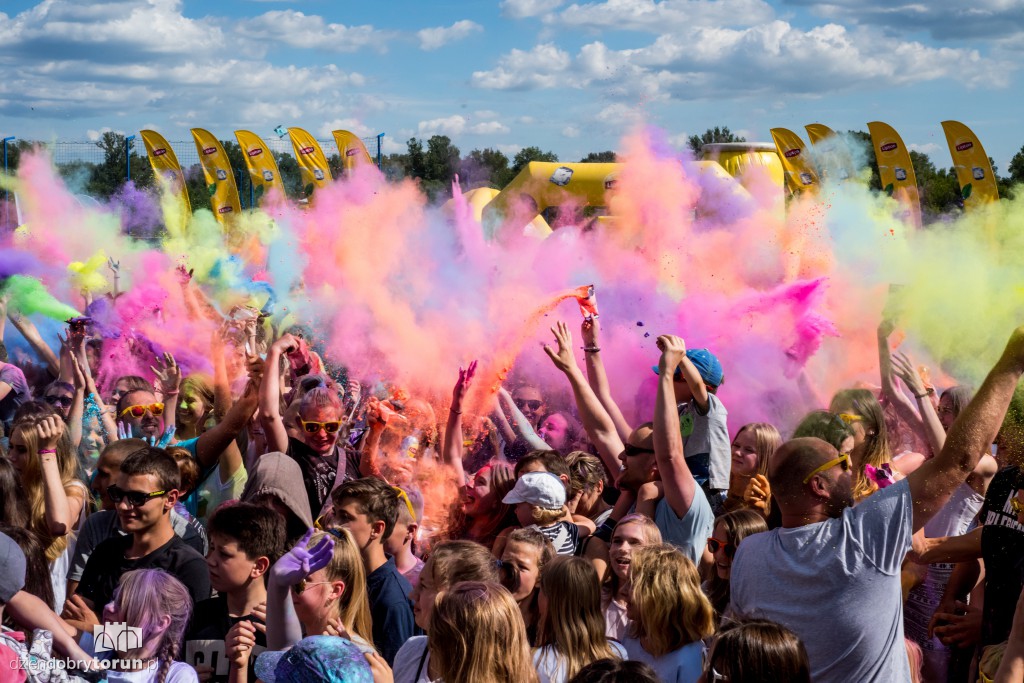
(48, 432)
(563, 359)
(301, 561)
(462, 385)
(590, 332)
(184, 274)
(168, 374)
(287, 344)
(672, 349)
(903, 368)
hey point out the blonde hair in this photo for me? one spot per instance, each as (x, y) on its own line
(671, 609)
(142, 600)
(546, 516)
(477, 636)
(353, 607)
(32, 483)
(574, 623)
(766, 440)
(652, 535)
(876, 439)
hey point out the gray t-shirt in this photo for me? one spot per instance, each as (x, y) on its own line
(689, 533)
(836, 584)
(708, 435)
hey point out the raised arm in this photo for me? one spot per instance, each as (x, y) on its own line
(600, 427)
(451, 453)
(590, 330)
(680, 486)
(691, 375)
(31, 334)
(522, 425)
(60, 510)
(971, 435)
(930, 426)
(904, 408)
(270, 395)
(212, 442)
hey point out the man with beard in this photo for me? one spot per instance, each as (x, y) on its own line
(831, 573)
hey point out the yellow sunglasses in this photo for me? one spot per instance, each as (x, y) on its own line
(843, 461)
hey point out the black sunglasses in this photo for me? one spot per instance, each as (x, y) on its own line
(534, 404)
(134, 498)
(62, 401)
(630, 449)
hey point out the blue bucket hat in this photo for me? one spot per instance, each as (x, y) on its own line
(314, 659)
(707, 365)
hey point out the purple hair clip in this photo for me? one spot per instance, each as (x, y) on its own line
(882, 476)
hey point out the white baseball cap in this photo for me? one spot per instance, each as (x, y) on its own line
(542, 489)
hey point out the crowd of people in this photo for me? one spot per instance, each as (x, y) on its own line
(282, 520)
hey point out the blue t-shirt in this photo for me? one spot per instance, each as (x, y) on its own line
(690, 532)
(390, 609)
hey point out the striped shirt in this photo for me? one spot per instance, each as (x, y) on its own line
(563, 536)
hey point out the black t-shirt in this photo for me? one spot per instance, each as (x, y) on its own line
(318, 472)
(390, 609)
(211, 621)
(1002, 547)
(107, 564)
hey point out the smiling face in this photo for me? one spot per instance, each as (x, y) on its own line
(60, 399)
(744, 453)
(530, 402)
(147, 425)
(638, 461)
(526, 559)
(554, 430)
(320, 441)
(138, 518)
(947, 414)
(625, 539)
(478, 498)
(423, 594)
(191, 409)
(723, 562)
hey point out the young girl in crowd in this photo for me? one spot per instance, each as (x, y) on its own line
(450, 562)
(730, 530)
(756, 652)
(670, 613)
(633, 531)
(752, 448)
(157, 604)
(482, 514)
(523, 560)
(861, 410)
(572, 631)
(476, 636)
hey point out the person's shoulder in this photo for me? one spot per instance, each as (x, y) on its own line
(715, 405)
(182, 552)
(407, 658)
(180, 672)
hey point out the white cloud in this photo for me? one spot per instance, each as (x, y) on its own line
(571, 132)
(433, 38)
(619, 115)
(452, 125)
(520, 9)
(296, 29)
(489, 128)
(392, 146)
(664, 16)
(542, 67)
(484, 114)
(509, 150)
(351, 125)
(927, 148)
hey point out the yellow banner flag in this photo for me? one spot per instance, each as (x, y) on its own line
(263, 171)
(973, 169)
(312, 162)
(895, 169)
(818, 132)
(352, 150)
(220, 180)
(800, 174)
(165, 165)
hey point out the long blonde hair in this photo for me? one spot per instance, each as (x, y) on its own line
(477, 636)
(142, 600)
(574, 623)
(32, 483)
(876, 438)
(652, 535)
(766, 440)
(670, 608)
(353, 607)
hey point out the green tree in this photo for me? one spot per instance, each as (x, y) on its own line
(716, 134)
(861, 141)
(485, 167)
(599, 158)
(528, 154)
(291, 176)
(415, 161)
(108, 177)
(1016, 167)
(15, 148)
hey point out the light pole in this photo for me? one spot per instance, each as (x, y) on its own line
(128, 156)
(7, 193)
(380, 138)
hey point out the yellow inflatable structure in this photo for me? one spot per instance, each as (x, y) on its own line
(740, 158)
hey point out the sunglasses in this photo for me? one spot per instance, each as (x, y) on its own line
(533, 404)
(843, 461)
(134, 498)
(636, 450)
(62, 401)
(154, 409)
(331, 427)
(849, 418)
(714, 544)
(302, 585)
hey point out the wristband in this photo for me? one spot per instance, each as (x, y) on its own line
(928, 392)
(591, 349)
(457, 412)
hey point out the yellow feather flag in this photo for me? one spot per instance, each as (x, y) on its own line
(165, 166)
(896, 169)
(263, 170)
(220, 179)
(973, 169)
(818, 132)
(352, 150)
(800, 174)
(311, 159)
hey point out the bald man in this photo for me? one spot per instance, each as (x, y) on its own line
(831, 573)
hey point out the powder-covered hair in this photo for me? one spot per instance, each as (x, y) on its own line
(574, 622)
(671, 609)
(353, 607)
(477, 636)
(876, 436)
(149, 599)
(321, 397)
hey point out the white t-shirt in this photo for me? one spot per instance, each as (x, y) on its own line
(836, 584)
(551, 666)
(412, 662)
(180, 672)
(684, 665)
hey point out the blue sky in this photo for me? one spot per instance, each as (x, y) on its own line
(567, 77)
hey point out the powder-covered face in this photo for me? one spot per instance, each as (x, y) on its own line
(554, 431)
(320, 441)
